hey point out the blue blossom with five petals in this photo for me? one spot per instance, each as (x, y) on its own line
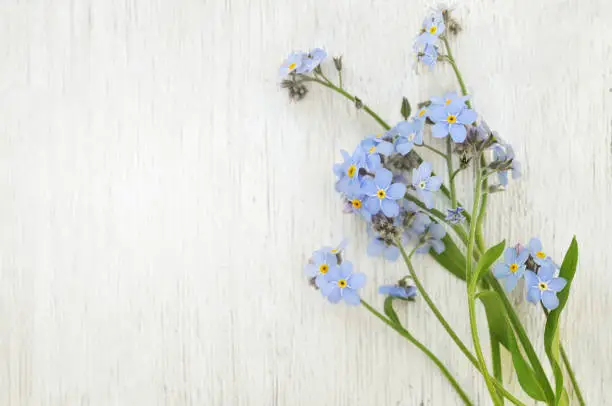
(425, 184)
(341, 283)
(409, 134)
(543, 286)
(433, 27)
(350, 180)
(320, 265)
(382, 194)
(513, 267)
(356, 204)
(452, 119)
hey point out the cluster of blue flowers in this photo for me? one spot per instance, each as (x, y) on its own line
(538, 269)
(428, 42)
(334, 277)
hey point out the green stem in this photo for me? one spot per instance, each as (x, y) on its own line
(570, 372)
(471, 289)
(449, 167)
(353, 99)
(451, 60)
(447, 326)
(406, 334)
(514, 320)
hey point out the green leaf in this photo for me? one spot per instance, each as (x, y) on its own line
(487, 260)
(390, 311)
(406, 109)
(502, 332)
(451, 258)
(551, 331)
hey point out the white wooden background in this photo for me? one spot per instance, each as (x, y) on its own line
(159, 196)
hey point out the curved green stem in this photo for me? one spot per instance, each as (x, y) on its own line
(352, 98)
(406, 334)
(449, 168)
(471, 288)
(447, 326)
(451, 60)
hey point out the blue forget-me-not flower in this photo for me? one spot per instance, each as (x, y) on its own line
(320, 265)
(425, 184)
(513, 267)
(543, 286)
(409, 134)
(383, 194)
(341, 283)
(452, 119)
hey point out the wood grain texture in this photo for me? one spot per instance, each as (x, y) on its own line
(160, 196)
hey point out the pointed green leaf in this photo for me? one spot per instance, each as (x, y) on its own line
(390, 311)
(487, 260)
(405, 109)
(551, 331)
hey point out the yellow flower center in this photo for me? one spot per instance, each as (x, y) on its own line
(540, 255)
(381, 194)
(433, 29)
(379, 135)
(333, 251)
(356, 203)
(292, 66)
(372, 149)
(423, 184)
(514, 268)
(447, 102)
(422, 112)
(351, 171)
(542, 285)
(323, 268)
(451, 119)
(342, 283)
(410, 137)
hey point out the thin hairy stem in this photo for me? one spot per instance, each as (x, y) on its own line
(447, 326)
(471, 290)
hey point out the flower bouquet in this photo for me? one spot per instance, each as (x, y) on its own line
(386, 182)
